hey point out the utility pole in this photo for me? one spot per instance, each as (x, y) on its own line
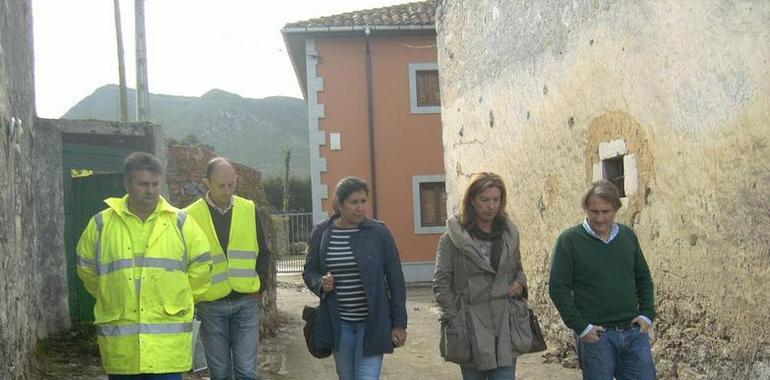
(142, 92)
(121, 63)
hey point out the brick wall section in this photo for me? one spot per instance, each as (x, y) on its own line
(186, 169)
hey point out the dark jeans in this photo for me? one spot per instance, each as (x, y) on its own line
(620, 354)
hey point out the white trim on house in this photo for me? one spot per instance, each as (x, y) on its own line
(413, 69)
(315, 112)
(416, 181)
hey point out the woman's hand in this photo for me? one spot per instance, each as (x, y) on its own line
(399, 336)
(516, 290)
(328, 282)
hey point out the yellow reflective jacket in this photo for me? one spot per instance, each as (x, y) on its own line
(236, 270)
(144, 304)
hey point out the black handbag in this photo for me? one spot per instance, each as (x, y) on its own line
(310, 316)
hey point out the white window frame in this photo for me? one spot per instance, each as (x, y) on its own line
(413, 69)
(416, 181)
(618, 148)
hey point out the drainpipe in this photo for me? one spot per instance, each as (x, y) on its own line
(370, 105)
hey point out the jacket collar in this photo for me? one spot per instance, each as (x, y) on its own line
(366, 223)
(120, 205)
(462, 240)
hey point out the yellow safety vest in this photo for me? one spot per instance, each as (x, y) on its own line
(236, 270)
(144, 304)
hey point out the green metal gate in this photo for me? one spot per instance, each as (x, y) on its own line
(83, 198)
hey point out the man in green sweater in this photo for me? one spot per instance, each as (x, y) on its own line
(603, 290)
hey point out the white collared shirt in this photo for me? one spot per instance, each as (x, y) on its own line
(222, 211)
(614, 231)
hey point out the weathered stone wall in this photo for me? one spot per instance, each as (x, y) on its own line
(52, 307)
(33, 299)
(531, 89)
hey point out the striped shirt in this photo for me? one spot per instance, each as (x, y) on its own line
(347, 278)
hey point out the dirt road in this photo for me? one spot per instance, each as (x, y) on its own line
(285, 357)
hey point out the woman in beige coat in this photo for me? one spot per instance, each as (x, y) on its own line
(479, 284)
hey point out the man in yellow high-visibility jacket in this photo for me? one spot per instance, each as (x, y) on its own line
(229, 311)
(146, 263)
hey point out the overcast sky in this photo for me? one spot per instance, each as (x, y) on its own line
(192, 46)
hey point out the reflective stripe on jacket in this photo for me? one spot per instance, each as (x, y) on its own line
(144, 304)
(236, 270)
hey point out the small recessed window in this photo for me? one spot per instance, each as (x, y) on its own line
(428, 94)
(425, 93)
(612, 170)
(432, 204)
(429, 192)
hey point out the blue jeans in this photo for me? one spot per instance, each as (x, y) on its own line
(620, 354)
(350, 360)
(158, 376)
(230, 335)
(500, 373)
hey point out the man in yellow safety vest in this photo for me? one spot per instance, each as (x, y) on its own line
(146, 263)
(229, 311)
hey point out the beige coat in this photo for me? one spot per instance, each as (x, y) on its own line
(490, 314)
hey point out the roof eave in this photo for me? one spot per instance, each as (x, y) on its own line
(296, 51)
(354, 28)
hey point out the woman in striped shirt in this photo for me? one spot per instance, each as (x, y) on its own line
(353, 266)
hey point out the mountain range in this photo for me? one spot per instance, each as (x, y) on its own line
(249, 131)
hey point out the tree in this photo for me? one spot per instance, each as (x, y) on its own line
(287, 165)
(299, 188)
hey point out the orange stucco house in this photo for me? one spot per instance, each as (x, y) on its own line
(370, 79)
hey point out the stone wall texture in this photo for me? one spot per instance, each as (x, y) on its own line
(530, 89)
(33, 292)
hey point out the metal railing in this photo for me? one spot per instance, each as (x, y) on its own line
(292, 232)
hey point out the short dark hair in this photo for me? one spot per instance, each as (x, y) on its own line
(345, 187)
(604, 190)
(141, 161)
(479, 183)
(213, 163)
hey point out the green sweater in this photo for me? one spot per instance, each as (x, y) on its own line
(599, 283)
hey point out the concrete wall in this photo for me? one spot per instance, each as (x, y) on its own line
(534, 90)
(407, 144)
(33, 299)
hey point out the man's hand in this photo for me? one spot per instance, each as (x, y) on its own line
(643, 326)
(516, 290)
(399, 336)
(328, 282)
(593, 335)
